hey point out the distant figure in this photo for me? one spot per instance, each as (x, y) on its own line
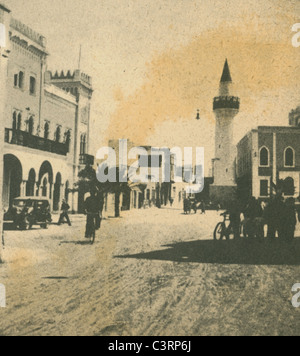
(100, 197)
(274, 214)
(235, 219)
(203, 207)
(171, 202)
(64, 214)
(298, 209)
(263, 205)
(92, 209)
(194, 205)
(187, 206)
(254, 219)
(290, 220)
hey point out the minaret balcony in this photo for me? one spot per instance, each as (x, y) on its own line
(226, 102)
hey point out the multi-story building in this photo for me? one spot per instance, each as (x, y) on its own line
(269, 157)
(46, 121)
(151, 191)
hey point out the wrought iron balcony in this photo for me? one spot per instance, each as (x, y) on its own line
(85, 159)
(226, 102)
(25, 139)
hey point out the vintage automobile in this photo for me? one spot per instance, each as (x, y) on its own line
(29, 211)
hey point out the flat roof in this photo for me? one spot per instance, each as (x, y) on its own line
(279, 127)
(269, 129)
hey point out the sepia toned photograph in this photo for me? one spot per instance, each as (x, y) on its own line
(150, 170)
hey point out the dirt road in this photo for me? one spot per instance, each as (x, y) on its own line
(152, 272)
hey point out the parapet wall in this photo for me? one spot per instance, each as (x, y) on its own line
(28, 32)
(76, 76)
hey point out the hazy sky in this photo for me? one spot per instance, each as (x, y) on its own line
(155, 62)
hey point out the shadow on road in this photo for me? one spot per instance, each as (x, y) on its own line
(59, 278)
(228, 252)
(81, 242)
(9, 226)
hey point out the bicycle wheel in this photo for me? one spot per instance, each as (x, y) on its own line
(219, 232)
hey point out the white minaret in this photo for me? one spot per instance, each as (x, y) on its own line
(226, 107)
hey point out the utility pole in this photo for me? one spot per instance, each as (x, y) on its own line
(4, 53)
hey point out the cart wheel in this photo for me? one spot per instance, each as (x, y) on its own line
(219, 231)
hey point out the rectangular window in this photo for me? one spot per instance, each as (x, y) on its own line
(264, 188)
(19, 80)
(32, 86)
(16, 80)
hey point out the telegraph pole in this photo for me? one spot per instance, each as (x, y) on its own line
(4, 53)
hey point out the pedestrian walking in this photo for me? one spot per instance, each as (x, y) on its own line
(274, 214)
(92, 210)
(100, 197)
(235, 219)
(253, 213)
(187, 206)
(203, 207)
(289, 220)
(64, 213)
(171, 202)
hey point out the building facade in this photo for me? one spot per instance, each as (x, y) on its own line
(133, 194)
(46, 122)
(267, 158)
(294, 117)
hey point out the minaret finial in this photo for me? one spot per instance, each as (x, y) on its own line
(226, 76)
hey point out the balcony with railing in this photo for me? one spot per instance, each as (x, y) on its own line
(25, 139)
(226, 102)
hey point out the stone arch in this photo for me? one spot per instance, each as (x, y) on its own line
(46, 179)
(30, 184)
(264, 157)
(46, 168)
(289, 157)
(12, 180)
(45, 187)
